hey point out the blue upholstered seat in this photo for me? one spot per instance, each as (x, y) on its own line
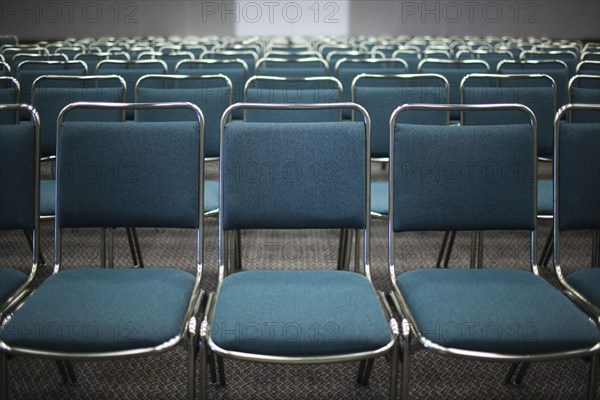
(587, 282)
(10, 280)
(299, 313)
(544, 197)
(495, 310)
(98, 310)
(211, 195)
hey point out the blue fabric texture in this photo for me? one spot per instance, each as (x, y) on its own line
(454, 74)
(10, 280)
(211, 195)
(49, 101)
(27, 77)
(293, 94)
(539, 99)
(8, 96)
(463, 178)
(293, 71)
(17, 177)
(557, 72)
(587, 282)
(380, 102)
(495, 310)
(97, 310)
(298, 313)
(212, 101)
(585, 96)
(136, 174)
(579, 176)
(131, 77)
(545, 197)
(294, 175)
(47, 197)
(347, 73)
(380, 197)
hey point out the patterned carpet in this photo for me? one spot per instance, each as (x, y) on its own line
(163, 376)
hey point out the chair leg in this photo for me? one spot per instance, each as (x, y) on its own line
(361, 371)
(238, 249)
(596, 249)
(4, 376)
(62, 371)
(203, 352)
(221, 369)
(212, 369)
(438, 262)
(405, 366)
(364, 381)
(516, 373)
(192, 351)
(593, 377)
(134, 247)
(546, 250)
(511, 372)
(344, 249)
(29, 236)
(70, 369)
(394, 371)
(449, 249)
(103, 248)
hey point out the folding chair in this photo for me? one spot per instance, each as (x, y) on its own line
(499, 314)
(577, 204)
(345, 300)
(298, 67)
(151, 309)
(211, 93)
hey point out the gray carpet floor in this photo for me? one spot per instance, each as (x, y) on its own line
(163, 376)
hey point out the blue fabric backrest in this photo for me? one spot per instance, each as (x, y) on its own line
(17, 178)
(412, 60)
(347, 73)
(463, 178)
(539, 99)
(27, 77)
(115, 174)
(131, 77)
(292, 95)
(8, 96)
(292, 72)
(558, 73)
(579, 175)
(454, 76)
(380, 102)
(212, 101)
(248, 58)
(49, 101)
(294, 175)
(585, 96)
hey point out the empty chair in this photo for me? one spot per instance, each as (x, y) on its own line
(588, 68)
(248, 56)
(292, 54)
(154, 304)
(20, 57)
(555, 69)
(334, 57)
(9, 40)
(170, 58)
(590, 56)
(454, 71)
(279, 298)
(577, 183)
(473, 301)
(9, 52)
(19, 200)
(300, 67)
(10, 93)
(412, 58)
(491, 57)
(568, 57)
(584, 89)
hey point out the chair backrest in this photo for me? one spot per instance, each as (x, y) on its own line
(555, 69)
(292, 54)
(584, 89)
(10, 93)
(381, 94)
(568, 57)
(536, 91)
(588, 68)
(412, 58)
(248, 56)
(491, 57)
(20, 57)
(333, 57)
(590, 56)
(171, 58)
(463, 177)
(211, 93)
(278, 90)
(128, 174)
(308, 175)
(300, 67)
(51, 93)
(29, 71)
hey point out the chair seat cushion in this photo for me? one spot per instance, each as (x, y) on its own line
(98, 310)
(379, 197)
(544, 199)
(587, 282)
(298, 313)
(211, 196)
(495, 310)
(10, 280)
(47, 197)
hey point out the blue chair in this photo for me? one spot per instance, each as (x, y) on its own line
(333, 57)
(454, 71)
(411, 56)
(483, 306)
(555, 69)
(152, 308)
(4, 69)
(211, 93)
(570, 58)
(588, 68)
(9, 52)
(10, 93)
(19, 199)
(248, 56)
(170, 58)
(343, 300)
(490, 57)
(577, 207)
(20, 57)
(298, 67)
(590, 56)
(92, 60)
(292, 54)
(584, 89)
(9, 40)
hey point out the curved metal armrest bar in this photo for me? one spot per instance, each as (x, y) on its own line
(573, 293)
(257, 78)
(451, 62)
(65, 63)
(581, 64)
(340, 62)
(23, 290)
(172, 77)
(243, 63)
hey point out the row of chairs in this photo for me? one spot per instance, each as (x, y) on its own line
(168, 306)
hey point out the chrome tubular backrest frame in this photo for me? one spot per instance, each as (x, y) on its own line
(524, 54)
(401, 305)
(23, 289)
(581, 64)
(532, 62)
(129, 63)
(15, 83)
(176, 78)
(339, 62)
(298, 106)
(208, 56)
(65, 63)
(243, 63)
(571, 291)
(40, 57)
(300, 60)
(451, 62)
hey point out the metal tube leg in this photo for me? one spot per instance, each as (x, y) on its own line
(593, 377)
(394, 371)
(138, 249)
(221, 368)
(521, 373)
(367, 374)
(546, 250)
(131, 247)
(449, 249)
(596, 249)
(103, 248)
(4, 376)
(212, 369)
(511, 372)
(203, 373)
(238, 249)
(111, 248)
(344, 233)
(192, 351)
(480, 249)
(405, 367)
(70, 368)
(438, 262)
(62, 371)
(361, 371)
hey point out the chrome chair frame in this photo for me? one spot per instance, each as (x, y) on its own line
(129, 63)
(582, 64)
(188, 325)
(205, 336)
(15, 83)
(572, 82)
(302, 60)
